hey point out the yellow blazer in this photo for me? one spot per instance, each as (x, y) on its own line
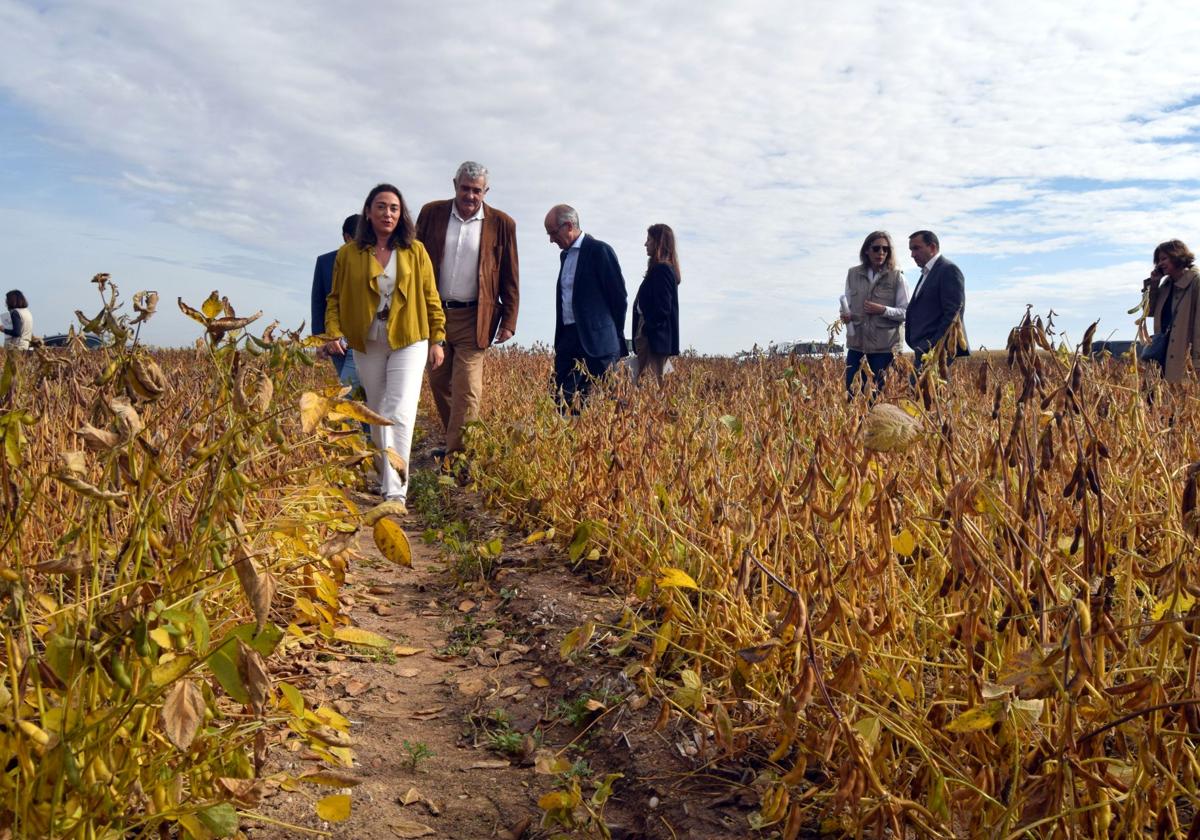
(416, 309)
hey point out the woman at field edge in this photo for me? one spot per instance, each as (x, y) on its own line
(385, 304)
(1173, 303)
(656, 306)
(873, 309)
(16, 321)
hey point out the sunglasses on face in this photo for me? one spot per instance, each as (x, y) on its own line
(880, 249)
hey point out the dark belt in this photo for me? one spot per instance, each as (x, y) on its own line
(458, 304)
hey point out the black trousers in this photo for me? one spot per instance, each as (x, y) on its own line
(574, 370)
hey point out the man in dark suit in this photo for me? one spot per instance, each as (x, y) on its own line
(473, 248)
(321, 286)
(936, 301)
(589, 308)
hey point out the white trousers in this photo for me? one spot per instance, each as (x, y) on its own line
(392, 380)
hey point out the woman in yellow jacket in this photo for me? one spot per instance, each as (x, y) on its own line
(385, 306)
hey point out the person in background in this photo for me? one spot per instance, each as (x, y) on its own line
(385, 304)
(873, 308)
(1174, 287)
(322, 285)
(590, 303)
(16, 321)
(937, 300)
(656, 305)
(473, 248)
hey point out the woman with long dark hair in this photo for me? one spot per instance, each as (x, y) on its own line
(16, 321)
(656, 307)
(873, 308)
(385, 304)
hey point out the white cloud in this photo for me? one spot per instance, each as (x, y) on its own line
(772, 136)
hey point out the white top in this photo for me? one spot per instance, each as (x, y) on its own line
(387, 284)
(568, 280)
(896, 312)
(459, 277)
(928, 267)
(6, 322)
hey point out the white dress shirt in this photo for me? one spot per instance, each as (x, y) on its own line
(459, 276)
(925, 273)
(568, 280)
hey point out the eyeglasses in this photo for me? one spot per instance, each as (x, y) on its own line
(880, 249)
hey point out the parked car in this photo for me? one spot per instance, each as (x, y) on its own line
(90, 340)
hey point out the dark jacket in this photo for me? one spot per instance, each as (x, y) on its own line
(599, 300)
(935, 303)
(322, 285)
(498, 273)
(658, 303)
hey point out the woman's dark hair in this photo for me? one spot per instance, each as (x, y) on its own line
(890, 263)
(1176, 252)
(662, 249)
(401, 237)
(15, 300)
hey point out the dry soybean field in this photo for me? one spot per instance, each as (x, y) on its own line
(990, 629)
(970, 613)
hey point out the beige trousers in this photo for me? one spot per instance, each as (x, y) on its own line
(648, 360)
(457, 385)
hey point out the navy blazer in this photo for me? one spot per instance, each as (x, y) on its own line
(598, 299)
(322, 285)
(938, 299)
(658, 300)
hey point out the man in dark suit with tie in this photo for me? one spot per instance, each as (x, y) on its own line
(937, 300)
(589, 325)
(473, 248)
(321, 286)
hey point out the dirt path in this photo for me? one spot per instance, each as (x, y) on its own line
(449, 731)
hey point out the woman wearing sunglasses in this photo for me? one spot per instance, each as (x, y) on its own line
(873, 309)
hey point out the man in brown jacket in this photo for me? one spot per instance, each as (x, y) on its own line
(473, 248)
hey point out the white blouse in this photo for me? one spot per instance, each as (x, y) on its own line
(387, 284)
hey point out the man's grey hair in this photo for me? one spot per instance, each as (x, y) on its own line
(471, 170)
(564, 213)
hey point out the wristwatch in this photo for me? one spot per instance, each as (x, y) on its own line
(441, 342)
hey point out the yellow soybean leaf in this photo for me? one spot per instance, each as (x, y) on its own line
(359, 411)
(904, 543)
(161, 636)
(978, 718)
(1178, 602)
(393, 542)
(359, 636)
(168, 672)
(676, 578)
(334, 808)
(331, 778)
(313, 409)
(690, 695)
(211, 306)
(576, 640)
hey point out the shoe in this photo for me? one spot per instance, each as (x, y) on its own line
(439, 453)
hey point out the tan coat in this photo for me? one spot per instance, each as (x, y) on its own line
(1185, 329)
(498, 273)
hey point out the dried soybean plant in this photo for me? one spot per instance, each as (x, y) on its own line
(992, 631)
(162, 514)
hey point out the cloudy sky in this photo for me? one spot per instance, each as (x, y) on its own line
(186, 147)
